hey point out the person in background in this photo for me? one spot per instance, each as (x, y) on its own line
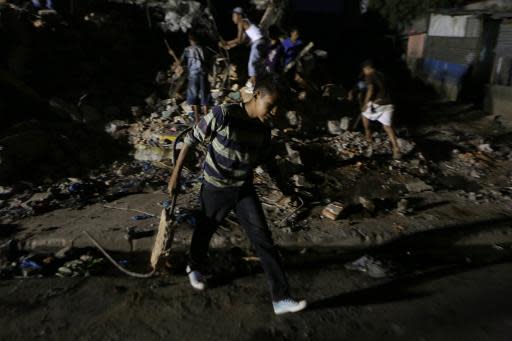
(246, 29)
(274, 61)
(196, 63)
(292, 45)
(37, 4)
(377, 105)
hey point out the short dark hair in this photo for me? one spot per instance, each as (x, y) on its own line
(272, 84)
(294, 28)
(192, 35)
(274, 32)
(367, 63)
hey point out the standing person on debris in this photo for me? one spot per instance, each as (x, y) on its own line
(198, 88)
(377, 105)
(274, 61)
(292, 45)
(247, 29)
(239, 140)
(37, 4)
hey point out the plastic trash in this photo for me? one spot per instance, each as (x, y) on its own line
(29, 264)
(141, 217)
(75, 187)
(369, 265)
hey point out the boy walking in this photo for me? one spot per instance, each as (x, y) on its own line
(377, 105)
(198, 88)
(239, 140)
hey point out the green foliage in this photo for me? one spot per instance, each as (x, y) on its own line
(402, 12)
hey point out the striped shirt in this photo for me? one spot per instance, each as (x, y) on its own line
(237, 144)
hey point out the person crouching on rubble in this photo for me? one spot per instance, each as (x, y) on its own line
(198, 88)
(247, 29)
(377, 105)
(238, 137)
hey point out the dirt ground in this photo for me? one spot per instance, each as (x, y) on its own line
(441, 293)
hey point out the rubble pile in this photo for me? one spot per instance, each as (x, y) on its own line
(351, 144)
(119, 179)
(67, 262)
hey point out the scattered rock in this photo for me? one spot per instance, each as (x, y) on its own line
(64, 252)
(5, 191)
(418, 186)
(333, 127)
(293, 155)
(368, 204)
(292, 118)
(485, 148)
(345, 123)
(405, 146)
(403, 206)
(370, 266)
(333, 210)
(80, 267)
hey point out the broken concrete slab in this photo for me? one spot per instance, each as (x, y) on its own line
(345, 123)
(333, 127)
(5, 191)
(333, 210)
(368, 204)
(418, 186)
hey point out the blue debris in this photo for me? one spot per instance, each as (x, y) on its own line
(147, 167)
(75, 187)
(141, 217)
(166, 203)
(29, 264)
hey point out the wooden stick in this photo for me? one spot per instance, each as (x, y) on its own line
(171, 51)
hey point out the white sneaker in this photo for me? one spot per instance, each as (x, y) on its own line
(289, 305)
(197, 280)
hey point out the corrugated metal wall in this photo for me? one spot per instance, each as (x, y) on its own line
(502, 70)
(449, 55)
(504, 45)
(452, 49)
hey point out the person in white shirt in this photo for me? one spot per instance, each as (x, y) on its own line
(247, 29)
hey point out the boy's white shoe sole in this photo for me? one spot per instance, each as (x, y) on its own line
(196, 279)
(291, 307)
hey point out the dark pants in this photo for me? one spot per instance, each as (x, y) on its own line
(216, 203)
(198, 89)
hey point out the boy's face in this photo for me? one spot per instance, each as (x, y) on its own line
(367, 70)
(266, 105)
(236, 17)
(294, 35)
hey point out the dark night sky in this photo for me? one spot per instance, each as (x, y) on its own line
(326, 6)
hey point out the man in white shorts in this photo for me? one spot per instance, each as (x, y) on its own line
(377, 105)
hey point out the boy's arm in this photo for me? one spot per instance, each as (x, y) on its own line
(369, 95)
(180, 64)
(203, 131)
(239, 38)
(176, 173)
